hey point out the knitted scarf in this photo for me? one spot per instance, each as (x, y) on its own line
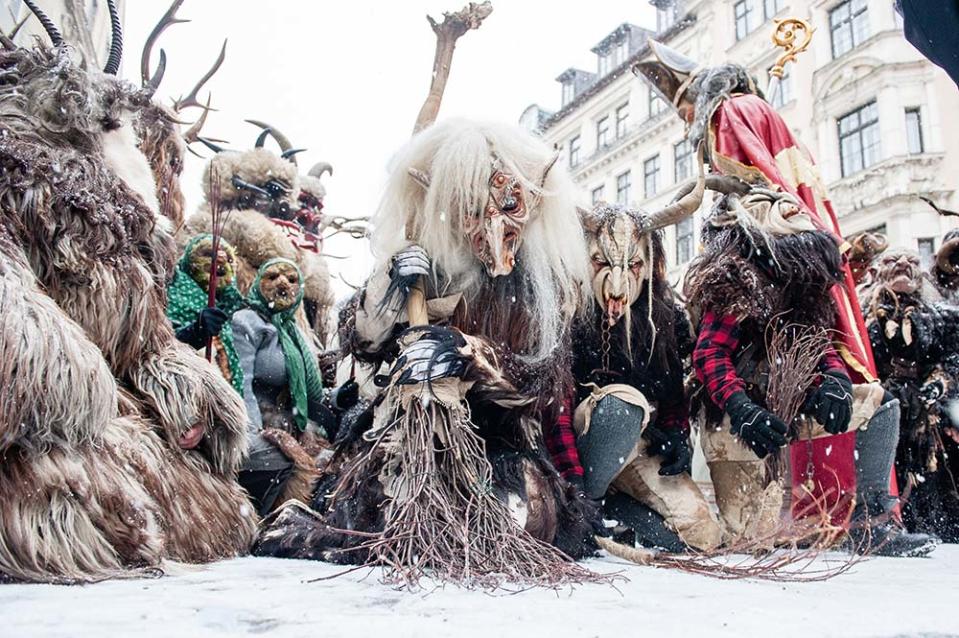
(302, 371)
(185, 300)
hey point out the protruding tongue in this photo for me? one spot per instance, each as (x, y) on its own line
(191, 438)
(614, 310)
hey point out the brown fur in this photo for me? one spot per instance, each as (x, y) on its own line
(301, 483)
(85, 492)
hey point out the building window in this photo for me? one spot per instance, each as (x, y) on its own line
(914, 131)
(747, 18)
(569, 92)
(849, 23)
(683, 166)
(927, 250)
(574, 152)
(598, 194)
(667, 17)
(684, 241)
(623, 186)
(859, 139)
(651, 176)
(622, 120)
(785, 93)
(656, 105)
(772, 7)
(604, 66)
(602, 133)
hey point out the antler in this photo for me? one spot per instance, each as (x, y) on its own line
(116, 40)
(686, 206)
(55, 38)
(169, 19)
(191, 98)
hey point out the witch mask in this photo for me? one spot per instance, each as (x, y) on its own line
(201, 258)
(281, 285)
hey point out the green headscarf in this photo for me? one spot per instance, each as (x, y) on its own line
(185, 300)
(302, 371)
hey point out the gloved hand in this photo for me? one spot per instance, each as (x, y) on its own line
(412, 261)
(435, 355)
(761, 430)
(831, 402)
(932, 391)
(672, 445)
(208, 324)
(345, 396)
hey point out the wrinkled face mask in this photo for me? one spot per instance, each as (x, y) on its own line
(280, 286)
(772, 212)
(619, 257)
(496, 233)
(202, 257)
(900, 271)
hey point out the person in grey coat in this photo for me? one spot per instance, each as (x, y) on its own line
(282, 386)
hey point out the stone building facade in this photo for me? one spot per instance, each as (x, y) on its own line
(878, 117)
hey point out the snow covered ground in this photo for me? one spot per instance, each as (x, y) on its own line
(270, 597)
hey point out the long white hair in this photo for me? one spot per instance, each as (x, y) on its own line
(456, 156)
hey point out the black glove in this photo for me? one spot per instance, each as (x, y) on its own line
(435, 355)
(932, 391)
(672, 445)
(207, 325)
(761, 430)
(345, 396)
(831, 402)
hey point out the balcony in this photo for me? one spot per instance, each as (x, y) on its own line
(894, 177)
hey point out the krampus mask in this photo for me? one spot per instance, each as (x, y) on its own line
(495, 230)
(899, 271)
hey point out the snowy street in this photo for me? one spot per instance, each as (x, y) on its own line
(258, 596)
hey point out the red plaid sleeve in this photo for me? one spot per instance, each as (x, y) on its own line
(713, 356)
(832, 362)
(561, 443)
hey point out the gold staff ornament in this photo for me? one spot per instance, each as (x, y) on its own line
(793, 36)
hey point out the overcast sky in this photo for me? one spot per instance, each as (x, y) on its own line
(346, 79)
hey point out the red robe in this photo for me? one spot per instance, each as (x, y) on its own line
(748, 139)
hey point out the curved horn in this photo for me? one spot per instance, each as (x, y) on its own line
(686, 206)
(549, 166)
(290, 154)
(281, 139)
(261, 138)
(116, 40)
(210, 145)
(319, 168)
(55, 38)
(169, 18)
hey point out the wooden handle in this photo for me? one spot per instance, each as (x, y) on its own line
(416, 304)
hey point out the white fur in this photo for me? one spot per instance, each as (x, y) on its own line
(457, 156)
(122, 155)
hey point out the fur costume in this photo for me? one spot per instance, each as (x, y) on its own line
(80, 221)
(916, 342)
(945, 270)
(257, 238)
(508, 275)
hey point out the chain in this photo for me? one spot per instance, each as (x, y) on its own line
(606, 346)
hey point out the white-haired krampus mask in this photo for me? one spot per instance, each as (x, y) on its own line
(495, 231)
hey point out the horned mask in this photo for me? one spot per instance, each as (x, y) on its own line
(495, 231)
(621, 248)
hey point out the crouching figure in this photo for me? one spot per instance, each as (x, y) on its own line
(766, 270)
(631, 420)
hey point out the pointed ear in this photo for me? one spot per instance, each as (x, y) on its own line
(547, 169)
(589, 221)
(420, 177)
